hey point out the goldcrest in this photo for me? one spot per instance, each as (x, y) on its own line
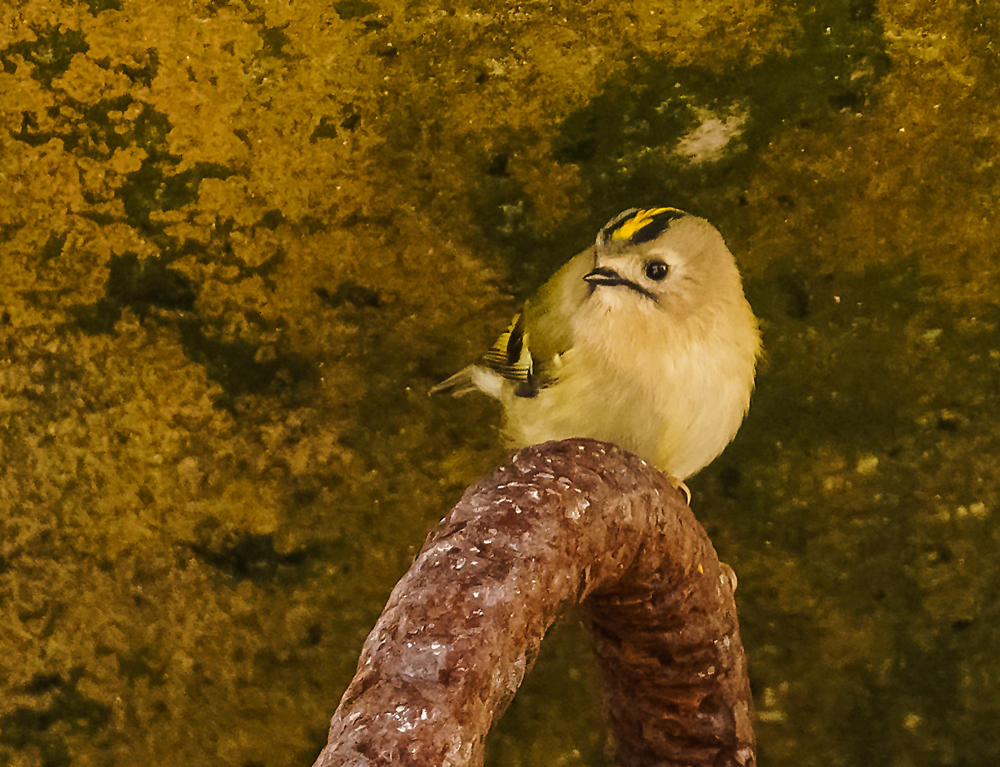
(644, 339)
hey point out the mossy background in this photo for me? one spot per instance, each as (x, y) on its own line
(240, 240)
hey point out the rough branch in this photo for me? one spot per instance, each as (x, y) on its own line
(563, 522)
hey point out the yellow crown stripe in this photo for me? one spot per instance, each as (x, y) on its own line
(641, 219)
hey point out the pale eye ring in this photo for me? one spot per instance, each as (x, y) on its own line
(656, 270)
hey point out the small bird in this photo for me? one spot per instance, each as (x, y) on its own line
(644, 339)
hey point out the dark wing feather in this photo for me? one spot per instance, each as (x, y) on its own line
(511, 357)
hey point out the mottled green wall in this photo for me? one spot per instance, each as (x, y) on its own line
(239, 241)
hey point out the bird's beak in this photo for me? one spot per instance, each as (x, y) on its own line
(602, 275)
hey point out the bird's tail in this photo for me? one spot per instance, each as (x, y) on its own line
(458, 385)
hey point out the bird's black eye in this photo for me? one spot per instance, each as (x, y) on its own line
(656, 270)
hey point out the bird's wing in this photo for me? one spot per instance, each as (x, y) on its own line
(530, 360)
(530, 351)
(508, 359)
(511, 357)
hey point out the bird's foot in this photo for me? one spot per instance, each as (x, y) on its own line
(683, 488)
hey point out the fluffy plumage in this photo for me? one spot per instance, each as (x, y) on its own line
(645, 339)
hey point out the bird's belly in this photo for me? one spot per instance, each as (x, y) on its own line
(678, 418)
